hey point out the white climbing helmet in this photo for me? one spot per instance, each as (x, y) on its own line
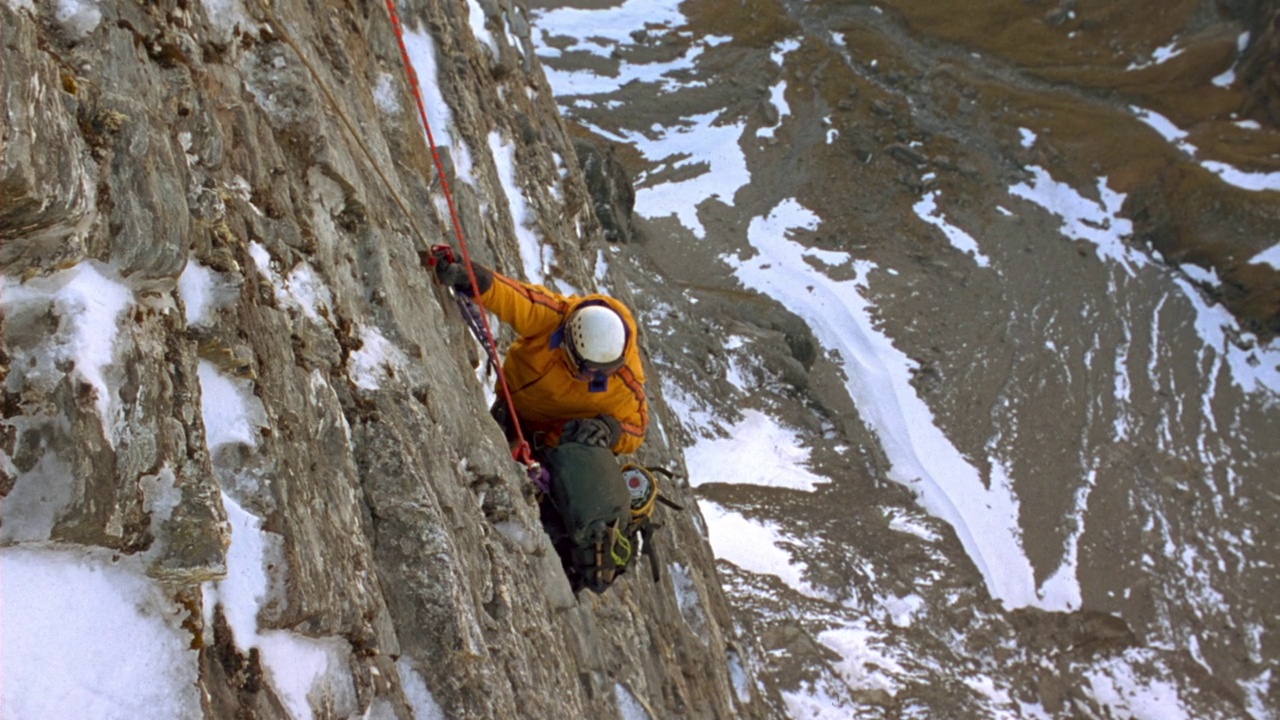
(595, 338)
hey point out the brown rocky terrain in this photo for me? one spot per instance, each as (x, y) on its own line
(1073, 368)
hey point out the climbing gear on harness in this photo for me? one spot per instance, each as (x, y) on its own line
(595, 338)
(643, 489)
(645, 493)
(541, 478)
(602, 431)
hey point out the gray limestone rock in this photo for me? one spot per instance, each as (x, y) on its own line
(271, 362)
(48, 197)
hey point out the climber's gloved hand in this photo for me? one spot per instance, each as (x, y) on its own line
(452, 273)
(601, 431)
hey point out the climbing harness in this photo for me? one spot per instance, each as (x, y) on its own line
(472, 308)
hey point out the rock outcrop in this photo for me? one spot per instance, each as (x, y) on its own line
(1260, 68)
(244, 187)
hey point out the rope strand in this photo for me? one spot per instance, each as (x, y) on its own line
(521, 452)
(278, 29)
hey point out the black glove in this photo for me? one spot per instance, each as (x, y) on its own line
(453, 274)
(601, 431)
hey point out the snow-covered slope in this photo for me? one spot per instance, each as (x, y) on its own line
(908, 265)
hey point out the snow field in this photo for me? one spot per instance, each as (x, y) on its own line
(1098, 223)
(927, 210)
(879, 381)
(688, 598)
(232, 412)
(1270, 256)
(204, 291)
(743, 684)
(778, 92)
(377, 360)
(701, 140)
(475, 18)
(629, 706)
(863, 663)
(298, 667)
(84, 633)
(416, 692)
(756, 451)
(920, 452)
(303, 288)
(77, 17)
(225, 15)
(385, 96)
(305, 672)
(536, 257)
(1228, 77)
(755, 546)
(1159, 56)
(115, 646)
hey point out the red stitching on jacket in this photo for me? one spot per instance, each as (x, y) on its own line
(538, 298)
(629, 379)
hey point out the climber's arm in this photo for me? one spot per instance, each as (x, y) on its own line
(529, 309)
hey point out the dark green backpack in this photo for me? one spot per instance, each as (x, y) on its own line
(592, 509)
(599, 514)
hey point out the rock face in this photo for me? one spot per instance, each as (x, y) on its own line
(610, 188)
(233, 195)
(1261, 66)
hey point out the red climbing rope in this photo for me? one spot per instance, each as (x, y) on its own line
(521, 452)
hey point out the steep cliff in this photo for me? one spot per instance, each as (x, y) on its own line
(218, 344)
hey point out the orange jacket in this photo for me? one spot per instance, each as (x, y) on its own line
(544, 389)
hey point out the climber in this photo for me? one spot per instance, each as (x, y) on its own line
(574, 372)
(578, 392)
